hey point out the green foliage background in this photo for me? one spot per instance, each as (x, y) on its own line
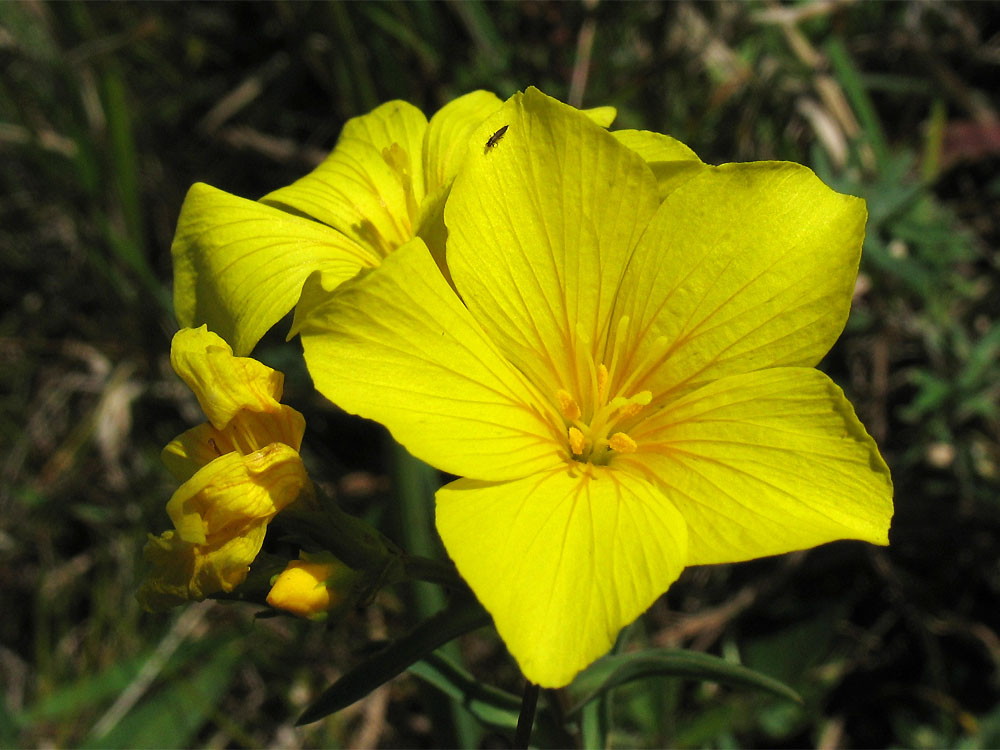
(108, 112)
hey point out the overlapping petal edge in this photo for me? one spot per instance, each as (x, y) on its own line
(239, 264)
(705, 294)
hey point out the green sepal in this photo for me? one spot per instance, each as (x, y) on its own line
(462, 615)
(353, 541)
(257, 584)
(612, 671)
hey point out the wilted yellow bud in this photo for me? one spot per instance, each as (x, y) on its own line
(311, 586)
(238, 470)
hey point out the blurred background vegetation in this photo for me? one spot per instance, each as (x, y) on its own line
(108, 112)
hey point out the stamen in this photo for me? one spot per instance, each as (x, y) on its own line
(622, 443)
(631, 410)
(619, 338)
(640, 370)
(602, 382)
(399, 162)
(637, 403)
(585, 363)
(567, 405)
(395, 157)
(604, 404)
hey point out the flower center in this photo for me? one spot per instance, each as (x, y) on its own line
(597, 420)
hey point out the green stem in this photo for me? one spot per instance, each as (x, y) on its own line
(522, 735)
(462, 615)
(420, 568)
(415, 483)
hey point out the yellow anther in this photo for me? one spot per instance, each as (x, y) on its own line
(602, 381)
(567, 405)
(399, 162)
(631, 406)
(631, 410)
(577, 442)
(395, 156)
(622, 443)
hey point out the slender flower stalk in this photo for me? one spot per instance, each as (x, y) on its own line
(526, 717)
(621, 372)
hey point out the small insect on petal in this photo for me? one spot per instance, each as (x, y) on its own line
(495, 138)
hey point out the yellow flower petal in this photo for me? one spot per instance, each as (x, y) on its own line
(234, 491)
(602, 116)
(245, 433)
(371, 184)
(192, 449)
(431, 228)
(181, 571)
(446, 144)
(396, 345)
(672, 162)
(237, 474)
(744, 267)
(240, 397)
(447, 138)
(312, 586)
(239, 265)
(764, 463)
(301, 589)
(562, 560)
(541, 225)
(223, 384)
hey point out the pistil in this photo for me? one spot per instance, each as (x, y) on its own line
(588, 440)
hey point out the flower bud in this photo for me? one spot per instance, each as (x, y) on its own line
(312, 586)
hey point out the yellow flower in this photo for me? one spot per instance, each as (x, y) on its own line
(238, 470)
(624, 380)
(312, 586)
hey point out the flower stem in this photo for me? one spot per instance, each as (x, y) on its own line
(526, 719)
(434, 571)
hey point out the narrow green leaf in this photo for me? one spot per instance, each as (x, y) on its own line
(172, 716)
(460, 616)
(593, 723)
(478, 22)
(402, 30)
(982, 360)
(91, 690)
(930, 165)
(849, 77)
(124, 160)
(415, 483)
(492, 706)
(84, 693)
(356, 58)
(8, 725)
(612, 671)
